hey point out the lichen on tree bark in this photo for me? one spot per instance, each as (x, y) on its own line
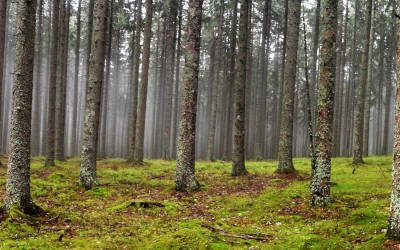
(88, 177)
(321, 174)
(185, 168)
(18, 193)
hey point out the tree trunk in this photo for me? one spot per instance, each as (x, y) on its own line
(135, 80)
(231, 80)
(286, 130)
(88, 176)
(185, 169)
(62, 84)
(172, 11)
(361, 92)
(394, 217)
(321, 176)
(177, 80)
(73, 145)
(36, 107)
(50, 153)
(141, 117)
(239, 130)
(263, 83)
(18, 194)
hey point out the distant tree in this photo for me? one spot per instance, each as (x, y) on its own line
(141, 117)
(321, 174)
(88, 177)
(285, 154)
(51, 104)
(361, 92)
(185, 167)
(238, 166)
(18, 193)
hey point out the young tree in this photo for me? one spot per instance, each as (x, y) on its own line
(321, 174)
(18, 193)
(286, 123)
(51, 104)
(88, 176)
(185, 170)
(238, 157)
(141, 117)
(361, 92)
(394, 217)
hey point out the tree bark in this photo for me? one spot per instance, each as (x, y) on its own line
(141, 117)
(361, 92)
(88, 177)
(36, 107)
(286, 131)
(394, 216)
(185, 167)
(172, 11)
(18, 193)
(61, 91)
(73, 145)
(135, 80)
(239, 130)
(50, 138)
(321, 176)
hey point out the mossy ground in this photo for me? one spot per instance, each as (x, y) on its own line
(260, 211)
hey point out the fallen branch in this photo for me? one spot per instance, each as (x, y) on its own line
(258, 237)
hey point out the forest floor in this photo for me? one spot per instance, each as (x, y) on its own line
(136, 207)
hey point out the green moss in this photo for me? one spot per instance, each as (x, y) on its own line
(220, 216)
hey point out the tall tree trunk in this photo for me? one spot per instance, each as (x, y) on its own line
(286, 130)
(231, 80)
(172, 11)
(185, 171)
(361, 89)
(368, 97)
(239, 130)
(321, 176)
(135, 80)
(177, 80)
(36, 107)
(106, 85)
(50, 153)
(88, 177)
(215, 86)
(388, 89)
(309, 93)
(141, 117)
(73, 145)
(18, 194)
(394, 217)
(62, 84)
(263, 84)
(314, 62)
(3, 22)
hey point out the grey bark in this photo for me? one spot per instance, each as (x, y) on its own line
(88, 177)
(185, 167)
